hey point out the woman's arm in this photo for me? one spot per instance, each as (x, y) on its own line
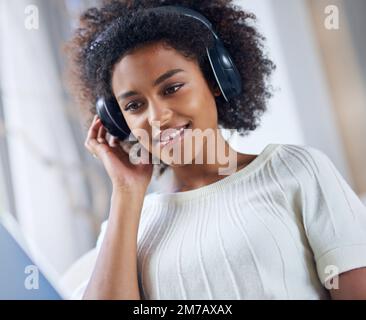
(115, 272)
(351, 285)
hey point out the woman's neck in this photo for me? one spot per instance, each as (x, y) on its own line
(192, 176)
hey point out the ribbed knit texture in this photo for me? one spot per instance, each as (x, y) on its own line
(268, 231)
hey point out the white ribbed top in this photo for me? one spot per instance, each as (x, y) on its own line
(269, 231)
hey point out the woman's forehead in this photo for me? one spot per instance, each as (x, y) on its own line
(152, 57)
(149, 62)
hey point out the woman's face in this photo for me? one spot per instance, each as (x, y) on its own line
(157, 87)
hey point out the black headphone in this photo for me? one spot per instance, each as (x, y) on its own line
(225, 71)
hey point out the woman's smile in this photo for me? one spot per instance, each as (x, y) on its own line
(169, 138)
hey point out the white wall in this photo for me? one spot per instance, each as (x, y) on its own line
(301, 112)
(280, 124)
(42, 152)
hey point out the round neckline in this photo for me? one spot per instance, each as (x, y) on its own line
(258, 161)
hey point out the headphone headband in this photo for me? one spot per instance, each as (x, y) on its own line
(187, 12)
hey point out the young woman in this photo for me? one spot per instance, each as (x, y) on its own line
(283, 224)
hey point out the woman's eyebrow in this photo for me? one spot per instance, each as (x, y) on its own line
(166, 76)
(159, 80)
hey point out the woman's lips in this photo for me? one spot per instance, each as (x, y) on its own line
(178, 137)
(164, 135)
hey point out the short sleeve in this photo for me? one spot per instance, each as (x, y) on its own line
(333, 215)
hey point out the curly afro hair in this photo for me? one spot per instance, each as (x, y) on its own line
(124, 25)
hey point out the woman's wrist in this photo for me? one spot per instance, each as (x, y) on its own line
(128, 190)
(126, 204)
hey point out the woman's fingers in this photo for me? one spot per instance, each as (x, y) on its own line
(126, 146)
(101, 137)
(98, 136)
(111, 141)
(96, 131)
(114, 142)
(93, 130)
(92, 126)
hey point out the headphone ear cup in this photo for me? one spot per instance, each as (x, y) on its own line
(112, 118)
(226, 73)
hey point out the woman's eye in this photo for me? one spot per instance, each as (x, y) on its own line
(132, 106)
(174, 89)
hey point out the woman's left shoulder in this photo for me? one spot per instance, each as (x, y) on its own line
(305, 152)
(305, 159)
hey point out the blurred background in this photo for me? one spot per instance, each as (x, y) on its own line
(58, 194)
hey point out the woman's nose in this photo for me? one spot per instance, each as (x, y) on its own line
(159, 112)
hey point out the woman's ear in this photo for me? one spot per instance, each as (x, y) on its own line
(215, 89)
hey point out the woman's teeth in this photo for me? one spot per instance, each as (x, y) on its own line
(173, 135)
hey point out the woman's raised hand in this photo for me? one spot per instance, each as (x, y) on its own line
(114, 155)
